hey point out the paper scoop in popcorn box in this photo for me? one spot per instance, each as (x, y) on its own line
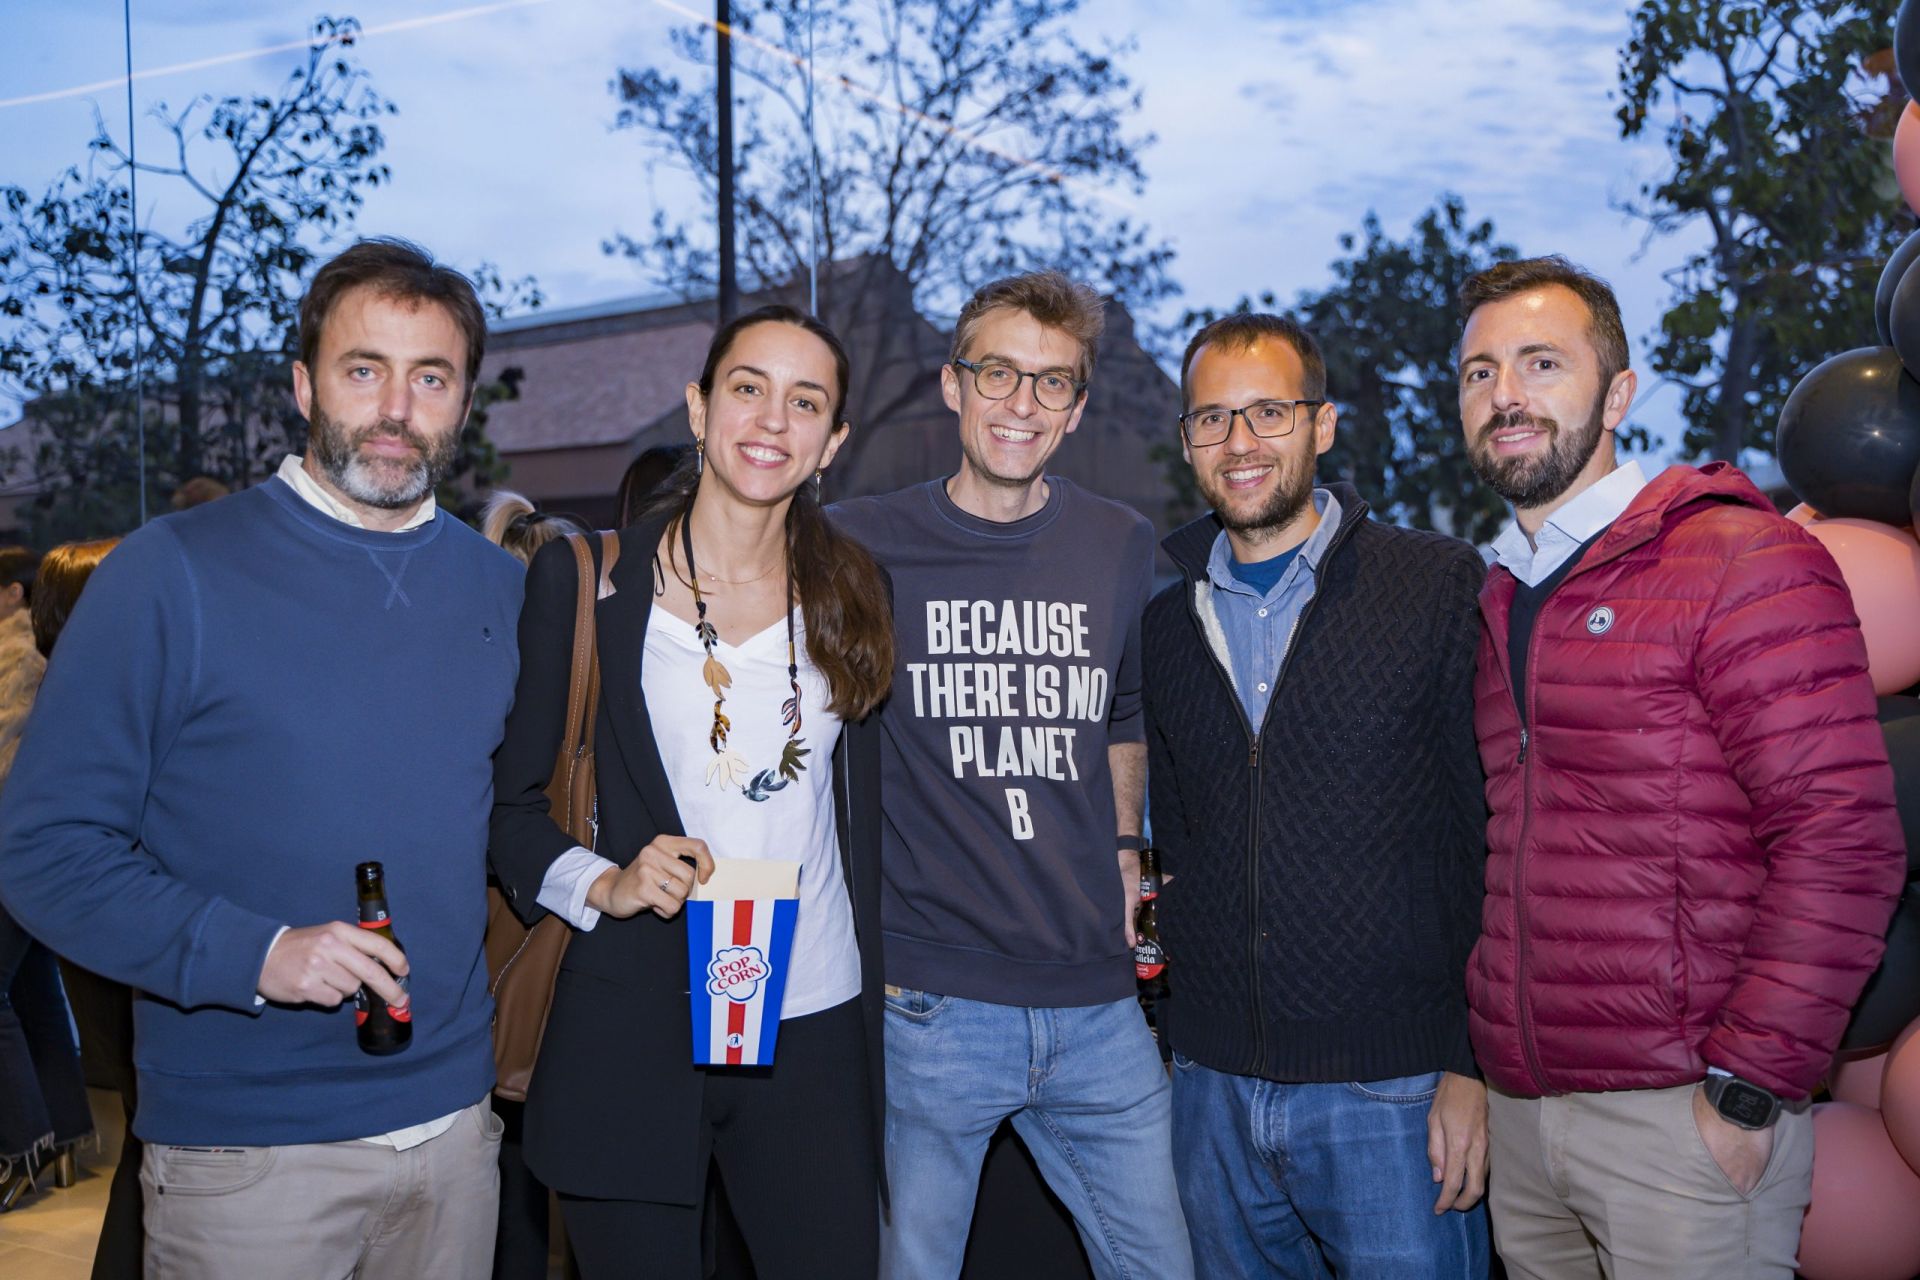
(739, 943)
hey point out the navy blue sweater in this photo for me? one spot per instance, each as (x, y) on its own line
(251, 698)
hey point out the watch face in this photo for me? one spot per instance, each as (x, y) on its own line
(1744, 1104)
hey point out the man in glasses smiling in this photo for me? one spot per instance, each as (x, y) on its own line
(1012, 784)
(1316, 799)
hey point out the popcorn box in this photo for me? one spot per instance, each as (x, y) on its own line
(739, 944)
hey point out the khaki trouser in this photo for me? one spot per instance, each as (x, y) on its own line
(326, 1211)
(1620, 1185)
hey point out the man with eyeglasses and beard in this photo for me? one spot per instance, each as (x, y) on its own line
(1316, 799)
(1693, 848)
(252, 697)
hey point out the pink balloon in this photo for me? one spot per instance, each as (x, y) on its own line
(1900, 1095)
(1881, 565)
(1803, 515)
(1906, 155)
(1864, 1221)
(1857, 1079)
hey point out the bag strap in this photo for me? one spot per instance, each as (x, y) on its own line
(580, 736)
(584, 671)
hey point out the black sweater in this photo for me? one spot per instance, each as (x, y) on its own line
(1326, 872)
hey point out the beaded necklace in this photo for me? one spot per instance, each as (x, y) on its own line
(729, 767)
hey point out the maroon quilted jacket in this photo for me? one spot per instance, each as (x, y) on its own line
(1693, 848)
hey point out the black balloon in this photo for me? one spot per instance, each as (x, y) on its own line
(1903, 752)
(1913, 499)
(1906, 47)
(1892, 997)
(1849, 436)
(1890, 275)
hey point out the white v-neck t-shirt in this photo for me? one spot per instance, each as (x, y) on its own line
(760, 815)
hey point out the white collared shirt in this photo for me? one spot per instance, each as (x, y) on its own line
(1569, 528)
(295, 475)
(294, 472)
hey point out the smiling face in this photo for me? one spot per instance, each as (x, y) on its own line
(1533, 399)
(384, 400)
(1005, 444)
(767, 425)
(1258, 485)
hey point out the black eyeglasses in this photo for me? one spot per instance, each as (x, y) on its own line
(1204, 428)
(1052, 388)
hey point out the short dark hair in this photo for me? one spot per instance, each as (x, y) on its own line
(1238, 332)
(1053, 298)
(1509, 279)
(397, 269)
(21, 565)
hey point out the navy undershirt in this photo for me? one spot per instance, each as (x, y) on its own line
(1262, 575)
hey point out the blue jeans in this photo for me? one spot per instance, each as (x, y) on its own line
(1085, 1091)
(1307, 1181)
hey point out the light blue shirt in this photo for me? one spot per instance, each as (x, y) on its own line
(1569, 528)
(1258, 629)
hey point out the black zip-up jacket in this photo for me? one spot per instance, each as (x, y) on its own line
(1326, 865)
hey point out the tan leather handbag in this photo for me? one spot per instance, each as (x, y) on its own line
(522, 963)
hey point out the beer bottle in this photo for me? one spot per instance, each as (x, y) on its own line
(1149, 957)
(382, 1028)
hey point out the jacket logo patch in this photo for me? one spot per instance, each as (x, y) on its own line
(1600, 620)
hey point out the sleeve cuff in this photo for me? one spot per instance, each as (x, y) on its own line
(563, 890)
(258, 999)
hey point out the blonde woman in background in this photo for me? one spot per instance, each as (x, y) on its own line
(511, 522)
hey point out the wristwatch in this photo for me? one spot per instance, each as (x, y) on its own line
(1741, 1102)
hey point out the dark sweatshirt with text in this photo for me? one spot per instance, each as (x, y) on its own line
(1017, 663)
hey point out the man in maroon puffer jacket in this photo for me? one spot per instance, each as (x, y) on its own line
(1693, 848)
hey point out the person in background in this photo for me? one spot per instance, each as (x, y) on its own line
(511, 522)
(43, 1094)
(199, 490)
(102, 1008)
(522, 1239)
(643, 478)
(1693, 846)
(252, 697)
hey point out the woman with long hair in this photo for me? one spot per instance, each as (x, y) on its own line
(742, 647)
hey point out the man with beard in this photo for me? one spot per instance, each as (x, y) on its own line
(1316, 801)
(1693, 848)
(252, 697)
(1012, 781)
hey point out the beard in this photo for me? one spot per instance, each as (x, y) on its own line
(1533, 480)
(389, 484)
(1292, 491)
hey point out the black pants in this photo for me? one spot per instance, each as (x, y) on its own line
(794, 1147)
(103, 1011)
(43, 1097)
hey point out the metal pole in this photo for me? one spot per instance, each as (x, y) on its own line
(133, 266)
(723, 90)
(813, 196)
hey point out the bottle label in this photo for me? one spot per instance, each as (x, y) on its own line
(1149, 960)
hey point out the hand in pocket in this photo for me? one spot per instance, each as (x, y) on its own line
(1742, 1154)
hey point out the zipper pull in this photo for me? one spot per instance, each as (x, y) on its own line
(1523, 746)
(1253, 756)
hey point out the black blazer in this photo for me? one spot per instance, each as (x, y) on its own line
(614, 1108)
